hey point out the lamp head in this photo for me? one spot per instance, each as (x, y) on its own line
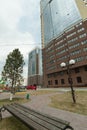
(72, 62)
(63, 64)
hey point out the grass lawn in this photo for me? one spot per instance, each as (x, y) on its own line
(12, 123)
(61, 101)
(40, 92)
(16, 99)
(64, 102)
(34, 92)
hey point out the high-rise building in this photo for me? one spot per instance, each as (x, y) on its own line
(35, 67)
(64, 37)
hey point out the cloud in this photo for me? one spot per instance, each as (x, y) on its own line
(10, 13)
(31, 18)
(19, 26)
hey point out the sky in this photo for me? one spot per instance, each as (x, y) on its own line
(19, 28)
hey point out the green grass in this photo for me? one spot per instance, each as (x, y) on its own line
(64, 102)
(15, 99)
(12, 123)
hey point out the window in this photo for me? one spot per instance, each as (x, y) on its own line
(51, 68)
(85, 49)
(61, 52)
(75, 52)
(78, 59)
(51, 82)
(70, 81)
(74, 46)
(70, 29)
(79, 24)
(79, 80)
(48, 82)
(85, 68)
(84, 42)
(73, 40)
(70, 35)
(81, 29)
(62, 81)
(77, 70)
(56, 82)
(82, 35)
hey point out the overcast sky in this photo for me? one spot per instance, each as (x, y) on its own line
(19, 28)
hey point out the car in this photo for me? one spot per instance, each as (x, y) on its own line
(33, 87)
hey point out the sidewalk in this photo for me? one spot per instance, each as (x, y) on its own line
(40, 103)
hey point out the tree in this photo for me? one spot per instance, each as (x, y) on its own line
(13, 68)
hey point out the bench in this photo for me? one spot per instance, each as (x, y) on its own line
(36, 120)
(0, 114)
(1, 109)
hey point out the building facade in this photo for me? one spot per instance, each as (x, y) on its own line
(35, 67)
(64, 37)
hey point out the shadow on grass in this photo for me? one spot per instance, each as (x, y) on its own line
(12, 123)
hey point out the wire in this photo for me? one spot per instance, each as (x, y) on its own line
(38, 44)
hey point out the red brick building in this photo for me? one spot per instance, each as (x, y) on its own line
(71, 44)
(68, 40)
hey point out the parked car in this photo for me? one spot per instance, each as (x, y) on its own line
(33, 87)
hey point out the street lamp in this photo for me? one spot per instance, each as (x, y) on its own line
(63, 65)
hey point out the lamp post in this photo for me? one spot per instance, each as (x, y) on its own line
(63, 65)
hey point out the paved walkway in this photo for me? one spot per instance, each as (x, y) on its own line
(40, 103)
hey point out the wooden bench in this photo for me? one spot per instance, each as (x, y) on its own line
(37, 120)
(1, 109)
(0, 114)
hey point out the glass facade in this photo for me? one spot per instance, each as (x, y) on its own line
(40, 61)
(57, 16)
(32, 62)
(35, 62)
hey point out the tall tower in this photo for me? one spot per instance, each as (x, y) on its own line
(63, 29)
(35, 67)
(57, 15)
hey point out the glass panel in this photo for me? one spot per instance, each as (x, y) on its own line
(57, 16)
